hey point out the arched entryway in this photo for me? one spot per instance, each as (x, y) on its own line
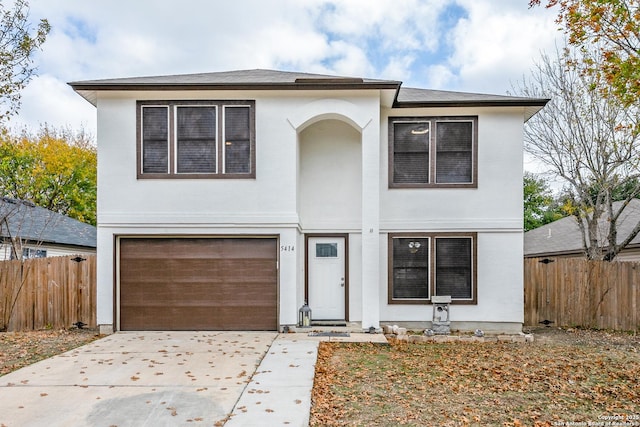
(329, 208)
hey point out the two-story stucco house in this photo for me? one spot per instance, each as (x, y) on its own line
(226, 200)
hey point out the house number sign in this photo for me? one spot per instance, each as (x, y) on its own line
(287, 248)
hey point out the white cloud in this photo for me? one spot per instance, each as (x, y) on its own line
(52, 102)
(349, 60)
(498, 43)
(440, 76)
(397, 67)
(421, 42)
(283, 44)
(412, 24)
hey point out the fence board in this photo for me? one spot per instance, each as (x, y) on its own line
(580, 293)
(47, 293)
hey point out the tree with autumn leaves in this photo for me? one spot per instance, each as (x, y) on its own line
(588, 135)
(55, 169)
(612, 27)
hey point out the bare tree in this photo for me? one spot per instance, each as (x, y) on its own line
(590, 141)
(19, 230)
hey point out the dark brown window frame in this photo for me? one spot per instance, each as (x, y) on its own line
(220, 105)
(433, 120)
(432, 237)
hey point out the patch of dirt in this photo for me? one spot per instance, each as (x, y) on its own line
(19, 349)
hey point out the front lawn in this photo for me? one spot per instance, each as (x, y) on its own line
(560, 379)
(20, 349)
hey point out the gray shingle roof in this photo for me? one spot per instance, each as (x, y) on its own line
(260, 79)
(410, 95)
(563, 236)
(239, 77)
(31, 222)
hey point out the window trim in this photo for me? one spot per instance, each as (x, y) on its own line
(432, 237)
(433, 154)
(172, 135)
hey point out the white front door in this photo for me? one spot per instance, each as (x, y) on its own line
(326, 275)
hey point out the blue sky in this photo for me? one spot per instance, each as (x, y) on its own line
(464, 45)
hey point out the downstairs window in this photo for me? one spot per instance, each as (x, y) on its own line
(426, 264)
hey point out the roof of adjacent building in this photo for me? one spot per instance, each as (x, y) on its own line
(30, 222)
(260, 79)
(563, 236)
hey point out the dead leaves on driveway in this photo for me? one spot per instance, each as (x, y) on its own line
(459, 384)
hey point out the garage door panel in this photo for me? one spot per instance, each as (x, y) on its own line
(201, 318)
(181, 248)
(198, 284)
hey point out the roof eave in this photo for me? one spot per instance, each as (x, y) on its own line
(578, 251)
(567, 252)
(89, 90)
(473, 103)
(531, 106)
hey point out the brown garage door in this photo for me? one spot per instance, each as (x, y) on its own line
(198, 284)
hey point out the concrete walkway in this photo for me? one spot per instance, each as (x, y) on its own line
(280, 391)
(170, 379)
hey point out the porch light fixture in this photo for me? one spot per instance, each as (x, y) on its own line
(304, 316)
(414, 246)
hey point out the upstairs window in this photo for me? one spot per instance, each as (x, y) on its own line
(196, 139)
(433, 152)
(182, 139)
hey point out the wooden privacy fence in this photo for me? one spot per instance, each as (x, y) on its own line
(580, 293)
(45, 293)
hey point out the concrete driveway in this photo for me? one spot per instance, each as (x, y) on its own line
(165, 379)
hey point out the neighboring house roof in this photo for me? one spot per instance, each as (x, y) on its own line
(30, 222)
(260, 79)
(563, 236)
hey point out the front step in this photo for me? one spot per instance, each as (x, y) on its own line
(340, 323)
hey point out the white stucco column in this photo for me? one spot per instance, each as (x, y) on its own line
(104, 276)
(371, 224)
(287, 265)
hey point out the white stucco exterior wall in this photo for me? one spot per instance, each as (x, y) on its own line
(272, 204)
(268, 205)
(493, 210)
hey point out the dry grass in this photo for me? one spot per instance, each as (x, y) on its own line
(563, 377)
(19, 349)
